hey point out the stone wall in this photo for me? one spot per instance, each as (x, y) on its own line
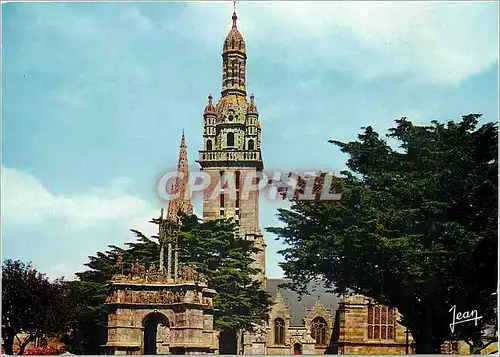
(353, 330)
(245, 209)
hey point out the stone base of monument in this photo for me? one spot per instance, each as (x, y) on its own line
(151, 315)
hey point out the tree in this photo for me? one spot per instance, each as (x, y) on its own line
(31, 304)
(416, 228)
(226, 259)
(89, 330)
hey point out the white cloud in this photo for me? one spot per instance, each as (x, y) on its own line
(25, 199)
(63, 270)
(439, 42)
(430, 42)
(106, 214)
(143, 225)
(136, 17)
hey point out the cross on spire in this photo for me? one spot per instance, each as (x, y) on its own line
(234, 13)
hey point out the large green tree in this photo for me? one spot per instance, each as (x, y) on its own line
(31, 304)
(211, 247)
(227, 260)
(415, 228)
(89, 330)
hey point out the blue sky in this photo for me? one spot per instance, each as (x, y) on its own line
(96, 95)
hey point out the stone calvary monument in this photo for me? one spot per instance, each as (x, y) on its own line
(164, 310)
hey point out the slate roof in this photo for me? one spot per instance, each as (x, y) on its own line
(298, 308)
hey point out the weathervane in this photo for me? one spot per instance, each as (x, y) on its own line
(234, 5)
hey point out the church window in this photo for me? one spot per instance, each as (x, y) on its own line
(230, 118)
(230, 139)
(250, 144)
(381, 322)
(279, 331)
(318, 330)
(209, 144)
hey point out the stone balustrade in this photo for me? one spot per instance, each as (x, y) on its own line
(213, 155)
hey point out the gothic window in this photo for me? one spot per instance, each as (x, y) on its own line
(230, 139)
(381, 322)
(209, 144)
(250, 144)
(279, 331)
(318, 330)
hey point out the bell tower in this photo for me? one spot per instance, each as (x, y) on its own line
(232, 147)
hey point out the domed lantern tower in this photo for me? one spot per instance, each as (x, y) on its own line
(232, 146)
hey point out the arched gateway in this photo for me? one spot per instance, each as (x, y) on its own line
(156, 328)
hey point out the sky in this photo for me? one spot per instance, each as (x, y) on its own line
(95, 97)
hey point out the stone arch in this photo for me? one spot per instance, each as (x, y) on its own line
(297, 348)
(209, 144)
(251, 144)
(153, 323)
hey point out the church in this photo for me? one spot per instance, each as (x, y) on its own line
(317, 323)
(170, 310)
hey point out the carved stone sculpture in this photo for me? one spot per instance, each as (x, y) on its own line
(260, 336)
(128, 296)
(135, 267)
(196, 298)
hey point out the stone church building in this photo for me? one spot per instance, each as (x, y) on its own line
(320, 322)
(169, 310)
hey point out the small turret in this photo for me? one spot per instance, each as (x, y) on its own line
(210, 108)
(252, 108)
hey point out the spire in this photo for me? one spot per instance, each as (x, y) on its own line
(182, 203)
(234, 61)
